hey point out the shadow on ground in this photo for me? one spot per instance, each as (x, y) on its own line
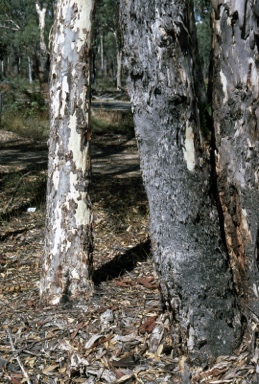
(122, 263)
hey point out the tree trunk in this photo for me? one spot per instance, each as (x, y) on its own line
(43, 53)
(101, 53)
(119, 67)
(235, 106)
(118, 60)
(67, 265)
(168, 103)
(2, 67)
(29, 70)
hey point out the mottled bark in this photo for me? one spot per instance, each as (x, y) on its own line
(235, 106)
(67, 262)
(167, 97)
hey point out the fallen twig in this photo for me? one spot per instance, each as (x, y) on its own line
(17, 357)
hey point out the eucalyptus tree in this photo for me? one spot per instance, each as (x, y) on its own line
(43, 52)
(234, 98)
(67, 265)
(199, 160)
(21, 34)
(107, 37)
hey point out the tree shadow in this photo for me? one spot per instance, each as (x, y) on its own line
(123, 200)
(122, 263)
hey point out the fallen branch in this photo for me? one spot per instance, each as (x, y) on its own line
(17, 357)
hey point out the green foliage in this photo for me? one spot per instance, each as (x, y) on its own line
(24, 111)
(107, 15)
(202, 14)
(20, 34)
(113, 122)
(107, 29)
(18, 23)
(204, 43)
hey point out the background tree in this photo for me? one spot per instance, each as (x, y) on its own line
(67, 263)
(176, 142)
(43, 52)
(107, 40)
(20, 36)
(202, 12)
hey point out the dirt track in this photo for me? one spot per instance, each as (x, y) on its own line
(111, 155)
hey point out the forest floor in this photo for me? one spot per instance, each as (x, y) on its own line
(121, 335)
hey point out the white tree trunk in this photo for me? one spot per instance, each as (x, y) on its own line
(118, 62)
(67, 262)
(29, 70)
(41, 14)
(119, 67)
(43, 49)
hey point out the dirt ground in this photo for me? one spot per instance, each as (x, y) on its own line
(121, 335)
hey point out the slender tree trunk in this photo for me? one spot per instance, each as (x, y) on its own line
(118, 60)
(101, 53)
(119, 68)
(29, 70)
(16, 66)
(164, 82)
(67, 265)
(235, 105)
(8, 66)
(43, 53)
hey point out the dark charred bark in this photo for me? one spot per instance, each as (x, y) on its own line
(235, 106)
(174, 139)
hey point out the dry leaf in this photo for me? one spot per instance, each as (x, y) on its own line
(124, 378)
(148, 325)
(62, 369)
(92, 340)
(79, 326)
(148, 282)
(126, 362)
(50, 368)
(15, 381)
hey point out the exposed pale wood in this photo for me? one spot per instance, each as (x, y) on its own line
(169, 104)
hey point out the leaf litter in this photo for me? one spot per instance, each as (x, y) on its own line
(120, 336)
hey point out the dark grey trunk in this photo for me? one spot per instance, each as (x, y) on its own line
(235, 106)
(167, 98)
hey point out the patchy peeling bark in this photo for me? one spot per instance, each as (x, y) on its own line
(235, 105)
(67, 264)
(167, 97)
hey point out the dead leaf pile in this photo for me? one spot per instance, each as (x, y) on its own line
(121, 335)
